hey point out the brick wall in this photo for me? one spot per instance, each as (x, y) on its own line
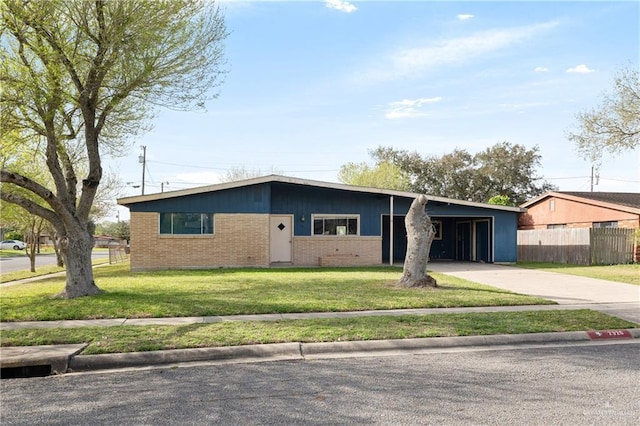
(239, 240)
(347, 251)
(630, 223)
(574, 214)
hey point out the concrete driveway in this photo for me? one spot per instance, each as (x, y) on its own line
(619, 299)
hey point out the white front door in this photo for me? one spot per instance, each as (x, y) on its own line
(280, 236)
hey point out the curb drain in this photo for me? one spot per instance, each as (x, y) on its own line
(26, 371)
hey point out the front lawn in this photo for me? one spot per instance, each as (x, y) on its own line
(118, 339)
(177, 293)
(629, 274)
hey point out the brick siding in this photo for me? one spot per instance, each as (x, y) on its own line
(238, 240)
(337, 251)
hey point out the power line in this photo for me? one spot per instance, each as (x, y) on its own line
(231, 167)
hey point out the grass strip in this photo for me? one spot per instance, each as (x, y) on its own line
(243, 291)
(40, 271)
(629, 274)
(119, 339)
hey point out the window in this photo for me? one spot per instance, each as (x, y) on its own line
(557, 226)
(610, 224)
(552, 205)
(186, 223)
(335, 225)
(437, 225)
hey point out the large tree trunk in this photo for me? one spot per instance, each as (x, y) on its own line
(420, 234)
(76, 252)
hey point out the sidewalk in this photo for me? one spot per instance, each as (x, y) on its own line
(61, 359)
(614, 309)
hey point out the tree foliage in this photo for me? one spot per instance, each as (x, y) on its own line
(79, 79)
(385, 174)
(612, 127)
(237, 173)
(500, 200)
(504, 169)
(119, 230)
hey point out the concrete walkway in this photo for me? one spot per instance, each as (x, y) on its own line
(561, 288)
(613, 298)
(570, 292)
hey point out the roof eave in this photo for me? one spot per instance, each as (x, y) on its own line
(308, 182)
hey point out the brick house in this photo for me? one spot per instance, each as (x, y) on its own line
(275, 220)
(581, 210)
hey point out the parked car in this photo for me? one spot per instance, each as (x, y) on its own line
(12, 244)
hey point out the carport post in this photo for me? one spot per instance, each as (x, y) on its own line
(391, 230)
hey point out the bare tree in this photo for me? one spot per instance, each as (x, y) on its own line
(613, 127)
(237, 173)
(420, 235)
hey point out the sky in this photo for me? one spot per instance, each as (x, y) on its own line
(313, 85)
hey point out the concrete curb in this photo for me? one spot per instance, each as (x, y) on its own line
(57, 357)
(275, 351)
(302, 351)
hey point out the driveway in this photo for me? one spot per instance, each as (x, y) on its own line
(567, 289)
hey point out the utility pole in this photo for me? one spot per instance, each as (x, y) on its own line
(597, 177)
(143, 159)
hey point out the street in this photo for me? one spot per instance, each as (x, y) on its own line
(564, 384)
(21, 262)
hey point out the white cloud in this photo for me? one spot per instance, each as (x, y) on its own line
(541, 69)
(464, 17)
(412, 61)
(407, 108)
(580, 69)
(341, 5)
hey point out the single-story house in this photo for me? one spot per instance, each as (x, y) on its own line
(274, 220)
(581, 210)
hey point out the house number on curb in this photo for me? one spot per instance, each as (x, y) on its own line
(609, 334)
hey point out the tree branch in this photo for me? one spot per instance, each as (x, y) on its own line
(39, 190)
(33, 208)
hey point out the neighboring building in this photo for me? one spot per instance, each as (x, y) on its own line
(275, 220)
(582, 210)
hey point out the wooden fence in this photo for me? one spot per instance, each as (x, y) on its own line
(580, 246)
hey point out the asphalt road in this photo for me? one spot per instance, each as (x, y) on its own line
(562, 385)
(21, 262)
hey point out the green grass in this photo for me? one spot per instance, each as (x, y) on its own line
(12, 253)
(148, 338)
(629, 274)
(242, 291)
(40, 271)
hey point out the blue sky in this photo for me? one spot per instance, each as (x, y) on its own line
(313, 85)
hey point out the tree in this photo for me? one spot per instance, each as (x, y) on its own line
(80, 79)
(503, 169)
(242, 173)
(614, 125)
(383, 175)
(510, 170)
(500, 200)
(420, 235)
(119, 230)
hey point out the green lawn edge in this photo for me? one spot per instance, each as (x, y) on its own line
(626, 273)
(122, 339)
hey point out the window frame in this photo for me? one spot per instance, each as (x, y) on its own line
(323, 216)
(610, 224)
(556, 226)
(437, 225)
(172, 226)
